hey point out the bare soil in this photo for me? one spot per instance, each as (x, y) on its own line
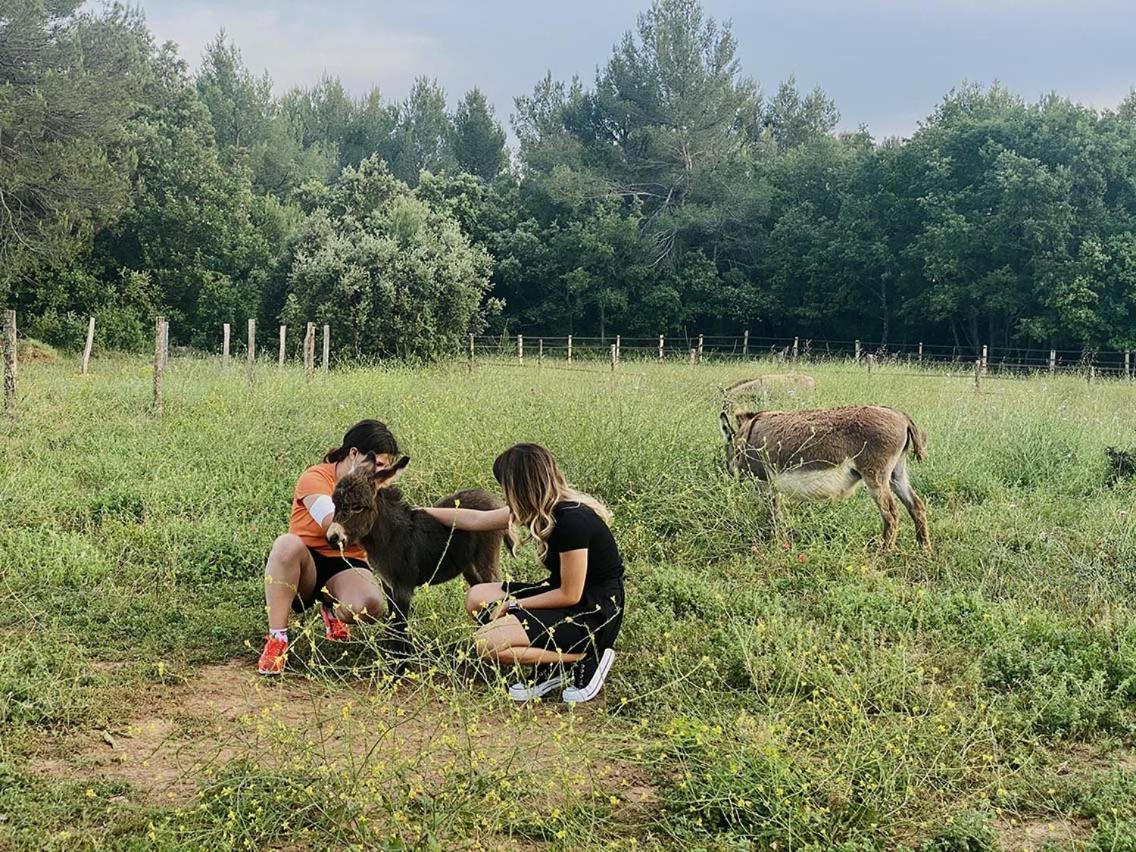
(174, 736)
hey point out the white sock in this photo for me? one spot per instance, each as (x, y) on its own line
(282, 633)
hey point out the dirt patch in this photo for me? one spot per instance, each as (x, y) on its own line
(1082, 761)
(177, 736)
(1033, 833)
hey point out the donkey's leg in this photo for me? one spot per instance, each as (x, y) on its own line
(901, 485)
(880, 488)
(399, 644)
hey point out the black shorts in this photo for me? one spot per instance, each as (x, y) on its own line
(326, 568)
(590, 626)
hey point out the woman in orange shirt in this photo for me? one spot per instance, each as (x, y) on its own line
(303, 564)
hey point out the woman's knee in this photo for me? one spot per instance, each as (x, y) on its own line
(480, 596)
(362, 609)
(286, 559)
(287, 548)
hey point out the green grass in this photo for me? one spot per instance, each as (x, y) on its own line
(798, 689)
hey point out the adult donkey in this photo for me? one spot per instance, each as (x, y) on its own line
(827, 453)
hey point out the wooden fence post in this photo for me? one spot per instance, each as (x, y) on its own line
(745, 343)
(225, 346)
(700, 349)
(569, 349)
(857, 356)
(283, 335)
(521, 349)
(1052, 361)
(613, 357)
(159, 363)
(795, 350)
(325, 366)
(1127, 363)
(1092, 373)
(165, 342)
(693, 353)
(984, 359)
(978, 374)
(471, 353)
(11, 361)
(618, 341)
(871, 363)
(310, 351)
(90, 343)
(251, 347)
(920, 353)
(540, 352)
(661, 347)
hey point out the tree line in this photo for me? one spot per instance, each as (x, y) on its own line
(671, 194)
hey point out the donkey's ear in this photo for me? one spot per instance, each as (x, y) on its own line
(391, 467)
(727, 429)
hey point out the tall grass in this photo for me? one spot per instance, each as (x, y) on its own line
(790, 687)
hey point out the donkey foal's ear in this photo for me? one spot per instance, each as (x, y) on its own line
(727, 429)
(389, 469)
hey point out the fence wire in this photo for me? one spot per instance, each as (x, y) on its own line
(794, 352)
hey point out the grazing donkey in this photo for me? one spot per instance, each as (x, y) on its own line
(827, 453)
(407, 548)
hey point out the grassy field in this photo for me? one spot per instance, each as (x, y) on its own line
(789, 690)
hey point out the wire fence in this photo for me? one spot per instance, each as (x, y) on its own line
(592, 354)
(793, 351)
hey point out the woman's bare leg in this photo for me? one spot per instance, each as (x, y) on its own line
(291, 571)
(481, 596)
(358, 596)
(505, 640)
(535, 657)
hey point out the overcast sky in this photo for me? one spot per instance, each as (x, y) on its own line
(885, 62)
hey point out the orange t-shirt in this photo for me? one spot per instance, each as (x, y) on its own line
(317, 479)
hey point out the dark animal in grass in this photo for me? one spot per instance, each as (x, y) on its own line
(1121, 464)
(406, 548)
(827, 453)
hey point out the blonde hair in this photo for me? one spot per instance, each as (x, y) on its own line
(534, 485)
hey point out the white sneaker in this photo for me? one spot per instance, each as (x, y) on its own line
(589, 676)
(545, 679)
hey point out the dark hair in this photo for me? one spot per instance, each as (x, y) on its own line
(366, 436)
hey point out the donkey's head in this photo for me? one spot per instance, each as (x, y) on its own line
(357, 493)
(735, 435)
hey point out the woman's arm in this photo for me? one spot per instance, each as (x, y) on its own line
(472, 520)
(321, 509)
(573, 571)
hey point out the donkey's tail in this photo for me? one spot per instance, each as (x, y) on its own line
(916, 440)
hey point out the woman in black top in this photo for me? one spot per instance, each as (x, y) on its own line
(565, 625)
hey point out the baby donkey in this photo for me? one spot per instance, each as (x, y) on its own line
(406, 548)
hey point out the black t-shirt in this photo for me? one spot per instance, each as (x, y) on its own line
(577, 528)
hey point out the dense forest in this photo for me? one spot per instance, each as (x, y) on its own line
(671, 193)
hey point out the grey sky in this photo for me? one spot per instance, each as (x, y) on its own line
(885, 62)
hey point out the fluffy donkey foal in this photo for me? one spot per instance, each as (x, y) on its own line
(407, 548)
(827, 453)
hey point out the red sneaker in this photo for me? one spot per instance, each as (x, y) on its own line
(334, 629)
(273, 657)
